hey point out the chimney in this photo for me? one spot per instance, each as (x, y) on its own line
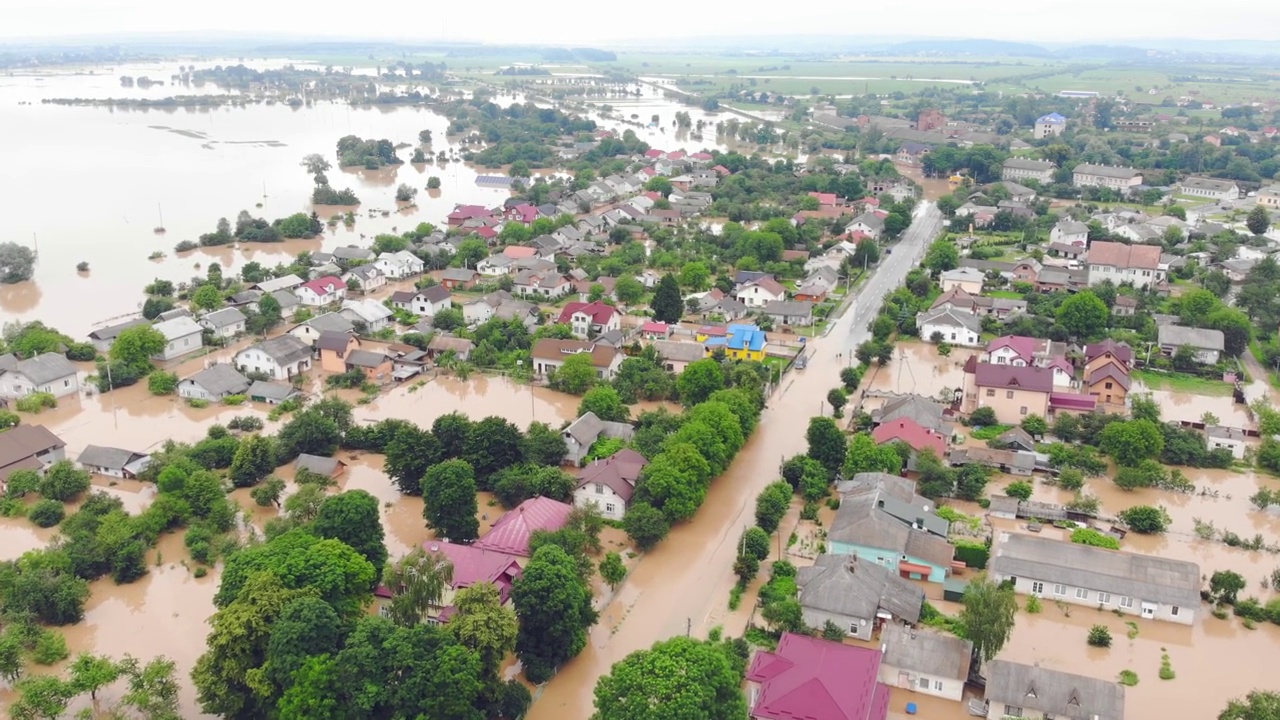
(919, 523)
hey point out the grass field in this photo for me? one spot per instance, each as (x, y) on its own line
(1178, 382)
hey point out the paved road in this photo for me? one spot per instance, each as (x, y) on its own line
(682, 586)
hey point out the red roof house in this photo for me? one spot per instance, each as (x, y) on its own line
(653, 153)
(1118, 350)
(911, 433)
(321, 291)
(649, 171)
(701, 156)
(516, 252)
(676, 155)
(463, 213)
(471, 565)
(813, 679)
(656, 330)
(722, 170)
(825, 198)
(510, 535)
(600, 313)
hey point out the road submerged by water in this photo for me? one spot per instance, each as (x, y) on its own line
(682, 586)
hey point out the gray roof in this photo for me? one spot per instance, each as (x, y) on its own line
(1110, 171)
(435, 293)
(588, 428)
(1020, 437)
(316, 464)
(921, 410)
(281, 283)
(333, 341)
(45, 368)
(789, 308)
(1143, 577)
(108, 457)
(285, 349)
(1224, 433)
(23, 441)
(271, 390)
(460, 274)
(1074, 227)
(366, 358)
(925, 651)
(1063, 695)
(845, 585)
(221, 379)
(111, 331)
(1200, 183)
(1024, 164)
(352, 253)
(330, 322)
(226, 317)
(177, 328)
(179, 312)
(285, 298)
(950, 317)
(1199, 338)
(679, 351)
(881, 520)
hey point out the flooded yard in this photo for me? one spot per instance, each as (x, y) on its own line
(917, 368)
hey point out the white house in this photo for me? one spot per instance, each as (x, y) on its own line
(609, 484)
(429, 301)
(966, 278)
(1209, 188)
(47, 373)
(1225, 438)
(1157, 588)
(369, 277)
(955, 327)
(280, 358)
(182, 336)
(224, 323)
(1015, 690)
(372, 313)
(1069, 232)
(1120, 263)
(869, 224)
(401, 264)
(924, 661)
(1206, 344)
(495, 265)
(321, 291)
(215, 383)
(103, 338)
(113, 462)
(761, 292)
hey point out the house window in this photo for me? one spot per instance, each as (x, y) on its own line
(1012, 711)
(1059, 589)
(1008, 394)
(991, 392)
(1082, 594)
(1104, 598)
(1037, 588)
(599, 489)
(1023, 410)
(385, 611)
(1173, 611)
(1126, 602)
(610, 508)
(924, 683)
(937, 685)
(1108, 386)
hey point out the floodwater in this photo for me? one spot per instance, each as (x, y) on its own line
(917, 368)
(194, 165)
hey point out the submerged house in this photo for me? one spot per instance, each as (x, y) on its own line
(882, 520)
(860, 597)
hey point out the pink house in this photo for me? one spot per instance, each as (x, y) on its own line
(911, 433)
(510, 535)
(471, 565)
(813, 679)
(655, 330)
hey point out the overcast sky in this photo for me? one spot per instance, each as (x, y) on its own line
(591, 22)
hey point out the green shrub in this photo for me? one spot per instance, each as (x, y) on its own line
(1089, 536)
(1100, 636)
(22, 483)
(1166, 667)
(234, 400)
(197, 403)
(974, 554)
(46, 513)
(1128, 678)
(9, 419)
(35, 402)
(1250, 609)
(162, 383)
(1033, 605)
(201, 571)
(50, 648)
(1146, 519)
(1020, 489)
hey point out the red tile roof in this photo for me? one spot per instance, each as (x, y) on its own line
(813, 679)
(600, 312)
(1025, 347)
(486, 232)
(619, 472)
(1144, 257)
(515, 252)
(655, 327)
(911, 433)
(468, 212)
(1121, 351)
(511, 533)
(707, 155)
(824, 198)
(473, 564)
(653, 153)
(1072, 401)
(324, 285)
(649, 171)
(722, 170)
(676, 155)
(1014, 378)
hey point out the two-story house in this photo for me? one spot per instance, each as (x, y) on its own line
(321, 291)
(808, 677)
(1117, 178)
(882, 520)
(280, 358)
(400, 264)
(609, 484)
(1120, 263)
(1012, 391)
(29, 447)
(590, 319)
(366, 312)
(470, 565)
(225, 323)
(1019, 169)
(1069, 232)
(760, 292)
(549, 355)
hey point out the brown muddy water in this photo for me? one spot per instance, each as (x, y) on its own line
(194, 165)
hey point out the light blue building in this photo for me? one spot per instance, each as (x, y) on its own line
(882, 520)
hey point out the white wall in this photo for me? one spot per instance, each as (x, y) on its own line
(948, 688)
(1048, 591)
(604, 500)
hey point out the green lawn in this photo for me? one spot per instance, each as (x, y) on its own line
(1007, 294)
(1179, 382)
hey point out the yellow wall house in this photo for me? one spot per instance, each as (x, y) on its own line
(741, 342)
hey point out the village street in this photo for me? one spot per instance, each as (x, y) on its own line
(682, 586)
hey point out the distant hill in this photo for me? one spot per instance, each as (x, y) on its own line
(969, 47)
(1102, 52)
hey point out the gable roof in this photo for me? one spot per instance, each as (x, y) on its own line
(513, 530)
(1014, 377)
(618, 472)
(226, 317)
(1025, 164)
(1142, 257)
(1199, 338)
(1142, 577)
(281, 283)
(271, 390)
(814, 679)
(1108, 372)
(925, 412)
(330, 322)
(367, 358)
(910, 432)
(1022, 346)
(435, 294)
(107, 457)
(220, 379)
(178, 327)
(1120, 350)
(23, 441)
(43, 368)
(473, 564)
(1110, 171)
(317, 464)
(335, 342)
(551, 349)
(284, 349)
(599, 312)
(950, 317)
(1064, 695)
(845, 585)
(324, 285)
(111, 331)
(882, 520)
(925, 651)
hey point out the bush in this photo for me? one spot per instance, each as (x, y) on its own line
(1033, 606)
(235, 400)
(1070, 479)
(162, 383)
(1089, 536)
(246, 423)
(1020, 489)
(9, 419)
(983, 416)
(197, 403)
(1100, 636)
(1128, 678)
(973, 554)
(1146, 519)
(35, 402)
(50, 648)
(46, 513)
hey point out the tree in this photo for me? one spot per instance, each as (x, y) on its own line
(1224, 585)
(41, 697)
(942, 256)
(135, 346)
(771, 504)
(699, 380)
(987, 617)
(628, 290)
(17, 263)
(864, 455)
(1145, 519)
(492, 444)
(255, 459)
(983, 417)
(576, 374)
(1257, 705)
(674, 679)
(449, 497)
(605, 402)
(667, 305)
(316, 164)
(612, 571)
(553, 604)
(1084, 314)
(406, 192)
(1020, 489)
(1099, 636)
(306, 626)
(827, 444)
(418, 581)
(408, 455)
(1258, 221)
(338, 574)
(311, 432)
(207, 297)
(695, 276)
(1035, 425)
(1066, 427)
(433, 183)
(1237, 329)
(659, 185)
(268, 493)
(1131, 442)
(542, 445)
(484, 625)
(452, 430)
(645, 525)
(63, 481)
(353, 518)
(755, 542)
